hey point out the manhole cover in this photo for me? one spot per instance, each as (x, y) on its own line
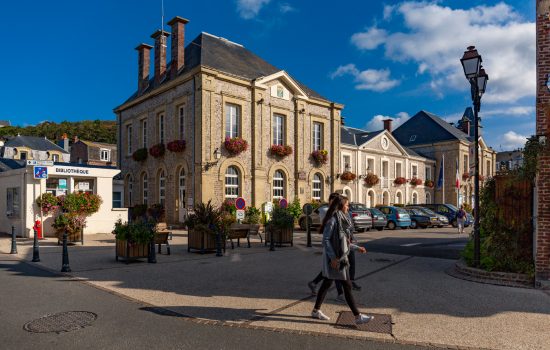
(61, 322)
(380, 324)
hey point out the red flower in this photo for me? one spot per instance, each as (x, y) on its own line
(235, 145)
(280, 150)
(176, 146)
(320, 156)
(157, 150)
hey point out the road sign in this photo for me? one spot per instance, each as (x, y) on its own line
(40, 172)
(40, 162)
(240, 214)
(268, 207)
(283, 203)
(240, 203)
(307, 209)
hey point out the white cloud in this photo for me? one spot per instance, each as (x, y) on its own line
(514, 111)
(513, 140)
(285, 8)
(250, 8)
(370, 79)
(388, 11)
(376, 123)
(435, 37)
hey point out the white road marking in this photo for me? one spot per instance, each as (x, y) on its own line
(409, 244)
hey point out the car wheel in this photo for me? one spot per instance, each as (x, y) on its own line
(424, 227)
(391, 225)
(414, 224)
(454, 223)
(379, 228)
(302, 224)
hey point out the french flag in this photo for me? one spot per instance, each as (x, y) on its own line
(457, 175)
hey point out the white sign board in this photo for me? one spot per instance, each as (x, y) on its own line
(83, 186)
(240, 214)
(39, 162)
(268, 207)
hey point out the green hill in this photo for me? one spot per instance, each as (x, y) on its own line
(90, 130)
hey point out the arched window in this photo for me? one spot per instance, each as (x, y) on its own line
(162, 187)
(371, 199)
(129, 189)
(144, 189)
(278, 185)
(399, 198)
(231, 182)
(317, 185)
(428, 198)
(181, 187)
(415, 198)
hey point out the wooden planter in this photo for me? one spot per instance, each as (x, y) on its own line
(202, 241)
(131, 251)
(284, 236)
(72, 237)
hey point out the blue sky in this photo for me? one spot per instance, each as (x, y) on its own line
(72, 60)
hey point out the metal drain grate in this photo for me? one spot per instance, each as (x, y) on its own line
(61, 322)
(380, 324)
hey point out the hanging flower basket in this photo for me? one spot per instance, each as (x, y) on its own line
(280, 150)
(320, 157)
(400, 180)
(415, 182)
(157, 150)
(176, 146)
(140, 155)
(235, 145)
(348, 176)
(429, 183)
(481, 178)
(48, 202)
(466, 176)
(371, 180)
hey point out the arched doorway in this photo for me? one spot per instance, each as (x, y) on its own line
(399, 198)
(428, 198)
(386, 198)
(371, 199)
(415, 198)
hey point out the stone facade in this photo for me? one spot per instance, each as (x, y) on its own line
(85, 152)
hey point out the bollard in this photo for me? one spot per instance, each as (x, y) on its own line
(271, 240)
(65, 263)
(35, 251)
(13, 241)
(152, 258)
(308, 231)
(219, 243)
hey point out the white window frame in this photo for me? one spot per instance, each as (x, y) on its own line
(344, 156)
(181, 187)
(367, 167)
(278, 129)
(143, 123)
(107, 151)
(13, 202)
(278, 185)
(317, 187)
(231, 189)
(232, 120)
(129, 136)
(161, 128)
(317, 136)
(144, 189)
(119, 201)
(428, 172)
(130, 189)
(181, 121)
(55, 157)
(162, 187)
(414, 166)
(400, 169)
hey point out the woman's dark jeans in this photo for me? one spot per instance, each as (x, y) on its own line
(346, 285)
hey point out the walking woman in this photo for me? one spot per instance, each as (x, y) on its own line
(336, 248)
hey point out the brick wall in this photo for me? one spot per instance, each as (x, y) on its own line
(542, 255)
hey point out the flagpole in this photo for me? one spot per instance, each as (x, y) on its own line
(443, 178)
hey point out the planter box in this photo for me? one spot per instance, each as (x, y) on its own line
(72, 237)
(202, 241)
(280, 237)
(131, 251)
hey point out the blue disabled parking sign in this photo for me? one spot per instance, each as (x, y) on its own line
(40, 172)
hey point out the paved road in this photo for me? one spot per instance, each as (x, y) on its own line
(28, 293)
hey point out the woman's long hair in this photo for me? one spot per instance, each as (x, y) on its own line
(336, 204)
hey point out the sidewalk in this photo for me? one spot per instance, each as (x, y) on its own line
(253, 287)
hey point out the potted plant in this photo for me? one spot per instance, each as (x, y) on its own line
(138, 211)
(280, 150)
(76, 207)
(465, 176)
(48, 203)
(203, 225)
(72, 223)
(133, 239)
(415, 182)
(157, 150)
(235, 145)
(320, 157)
(371, 180)
(156, 212)
(280, 227)
(400, 180)
(176, 146)
(429, 183)
(348, 176)
(140, 155)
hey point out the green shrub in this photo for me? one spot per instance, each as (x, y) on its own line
(281, 219)
(135, 232)
(253, 215)
(295, 208)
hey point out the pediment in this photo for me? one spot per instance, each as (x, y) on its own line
(385, 142)
(286, 83)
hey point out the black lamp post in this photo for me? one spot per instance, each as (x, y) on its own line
(474, 72)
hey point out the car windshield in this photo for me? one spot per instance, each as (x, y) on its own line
(357, 207)
(428, 211)
(375, 211)
(401, 211)
(452, 207)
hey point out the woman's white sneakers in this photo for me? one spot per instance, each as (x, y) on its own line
(362, 319)
(319, 315)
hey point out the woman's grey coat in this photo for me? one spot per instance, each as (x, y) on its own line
(328, 272)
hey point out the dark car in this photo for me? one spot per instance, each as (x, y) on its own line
(441, 219)
(361, 216)
(421, 219)
(379, 220)
(449, 211)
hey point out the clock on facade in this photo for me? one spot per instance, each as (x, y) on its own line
(385, 142)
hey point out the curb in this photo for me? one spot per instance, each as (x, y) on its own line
(506, 279)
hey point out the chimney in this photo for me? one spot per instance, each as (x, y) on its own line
(144, 65)
(160, 54)
(387, 124)
(64, 142)
(466, 126)
(178, 44)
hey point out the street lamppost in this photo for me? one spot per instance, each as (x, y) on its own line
(474, 72)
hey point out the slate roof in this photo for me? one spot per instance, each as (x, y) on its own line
(99, 144)
(34, 143)
(10, 164)
(424, 128)
(223, 55)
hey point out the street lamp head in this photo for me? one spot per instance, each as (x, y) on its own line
(471, 62)
(482, 81)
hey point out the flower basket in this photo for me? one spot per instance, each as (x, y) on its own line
(48, 202)
(481, 178)
(429, 183)
(176, 146)
(400, 180)
(371, 180)
(140, 155)
(280, 150)
(465, 176)
(415, 182)
(235, 145)
(347, 176)
(130, 251)
(320, 157)
(157, 150)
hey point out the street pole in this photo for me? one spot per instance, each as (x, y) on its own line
(13, 241)
(35, 251)
(477, 103)
(65, 262)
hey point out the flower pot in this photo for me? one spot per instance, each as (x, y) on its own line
(280, 236)
(130, 251)
(201, 241)
(72, 237)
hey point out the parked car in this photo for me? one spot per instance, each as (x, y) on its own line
(420, 218)
(449, 211)
(397, 217)
(441, 219)
(361, 216)
(379, 220)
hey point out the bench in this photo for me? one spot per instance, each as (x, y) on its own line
(162, 236)
(238, 231)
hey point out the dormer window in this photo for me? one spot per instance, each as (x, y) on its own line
(55, 157)
(104, 155)
(280, 92)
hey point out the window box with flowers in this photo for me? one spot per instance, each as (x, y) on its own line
(400, 180)
(157, 150)
(371, 180)
(280, 150)
(415, 182)
(140, 155)
(481, 178)
(176, 146)
(429, 183)
(347, 176)
(235, 145)
(465, 176)
(320, 157)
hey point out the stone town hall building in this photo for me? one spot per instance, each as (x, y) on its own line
(211, 90)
